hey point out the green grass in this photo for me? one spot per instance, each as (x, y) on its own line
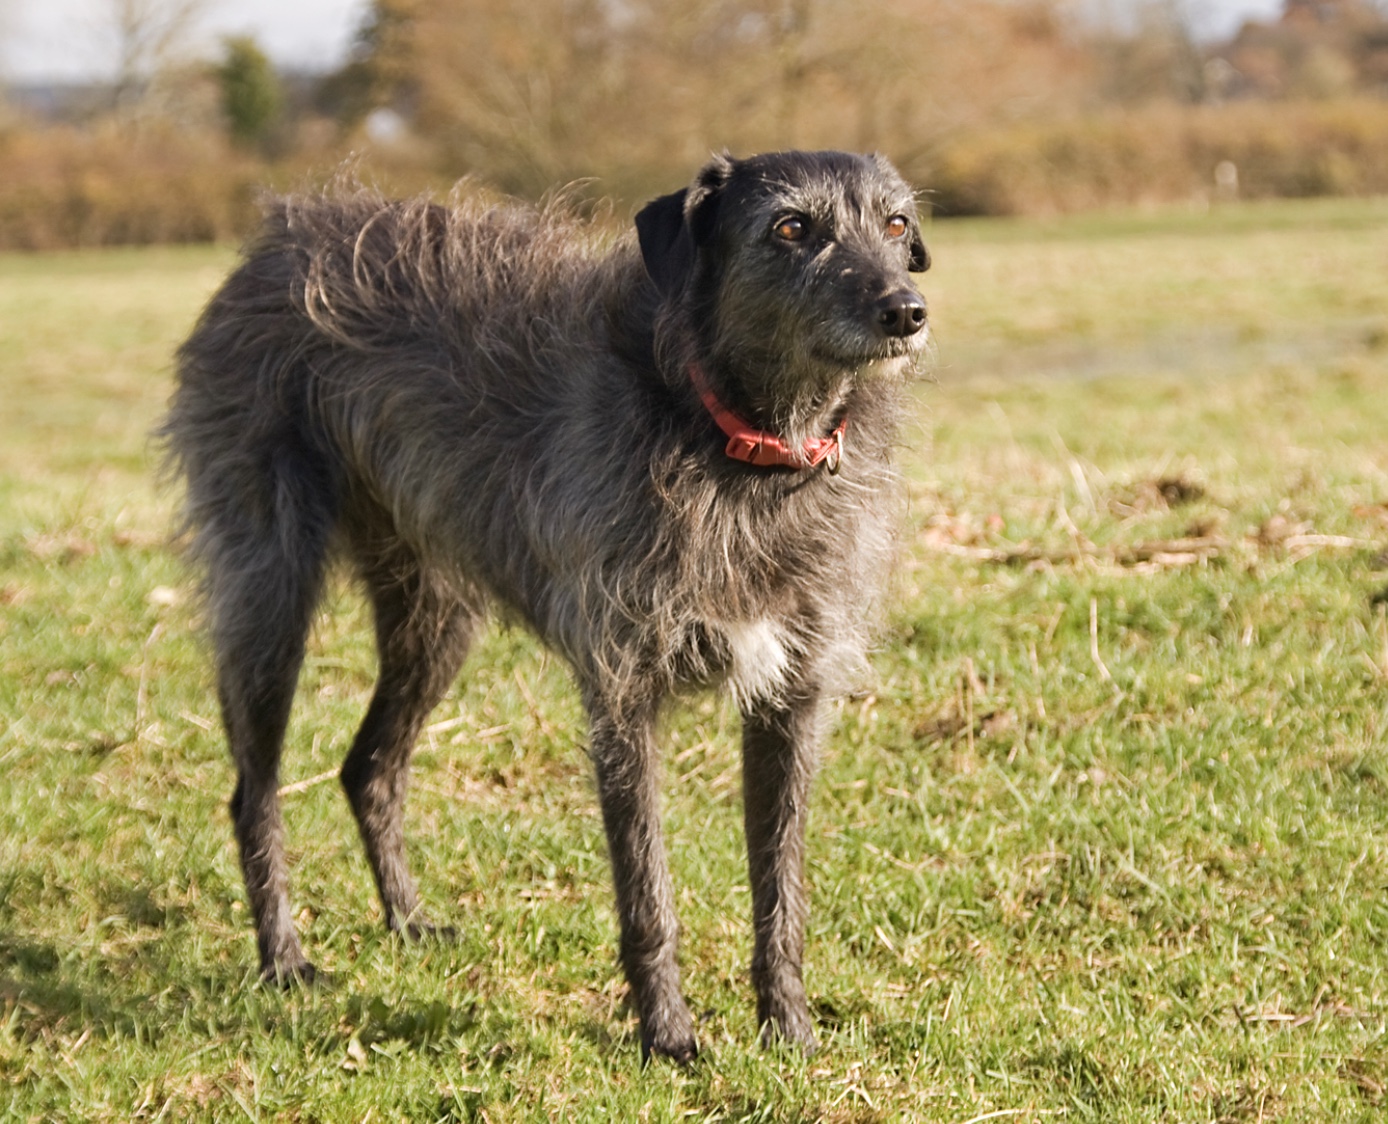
(1108, 839)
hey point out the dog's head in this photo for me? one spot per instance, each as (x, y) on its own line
(795, 267)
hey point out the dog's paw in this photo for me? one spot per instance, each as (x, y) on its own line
(670, 1035)
(289, 974)
(682, 1048)
(791, 1027)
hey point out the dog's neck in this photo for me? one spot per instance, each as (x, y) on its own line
(761, 447)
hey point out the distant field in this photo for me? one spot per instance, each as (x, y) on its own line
(1107, 840)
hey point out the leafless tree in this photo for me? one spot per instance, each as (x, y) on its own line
(149, 35)
(630, 91)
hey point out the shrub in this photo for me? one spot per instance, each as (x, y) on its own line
(66, 187)
(1162, 154)
(111, 183)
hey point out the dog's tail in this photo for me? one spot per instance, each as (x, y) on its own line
(261, 495)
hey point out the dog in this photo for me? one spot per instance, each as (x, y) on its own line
(669, 457)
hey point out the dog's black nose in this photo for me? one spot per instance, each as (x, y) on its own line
(901, 313)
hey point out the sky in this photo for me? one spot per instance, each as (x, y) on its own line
(71, 40)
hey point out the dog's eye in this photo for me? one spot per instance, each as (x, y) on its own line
(791, 229)
(897, 226)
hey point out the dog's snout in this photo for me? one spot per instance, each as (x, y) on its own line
(901, 313)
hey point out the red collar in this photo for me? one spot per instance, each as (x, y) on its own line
(761, 448)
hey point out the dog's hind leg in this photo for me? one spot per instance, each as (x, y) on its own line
(422, 633)
(779, 747)
(266, 566)
(624, 753)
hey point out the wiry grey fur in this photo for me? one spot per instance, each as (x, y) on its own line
(484, 408)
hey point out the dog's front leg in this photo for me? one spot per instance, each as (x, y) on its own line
(624, 753)
(779, 749)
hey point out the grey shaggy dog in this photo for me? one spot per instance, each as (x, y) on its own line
(669, 458)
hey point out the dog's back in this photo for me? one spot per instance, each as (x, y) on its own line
(401, 356)
(350, 315)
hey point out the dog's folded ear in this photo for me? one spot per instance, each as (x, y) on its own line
(920, 257)
(666, 245)
(670, 229)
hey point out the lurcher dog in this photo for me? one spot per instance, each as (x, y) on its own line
(669, 458)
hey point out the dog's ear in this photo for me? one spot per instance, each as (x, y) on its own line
(919, 260)
(666, 245)
(672, 228)
(701, 208)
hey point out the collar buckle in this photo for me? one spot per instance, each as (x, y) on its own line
(762, 448)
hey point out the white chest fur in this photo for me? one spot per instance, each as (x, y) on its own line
(761, 658)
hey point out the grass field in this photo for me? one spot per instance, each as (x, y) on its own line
(1106, 841)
